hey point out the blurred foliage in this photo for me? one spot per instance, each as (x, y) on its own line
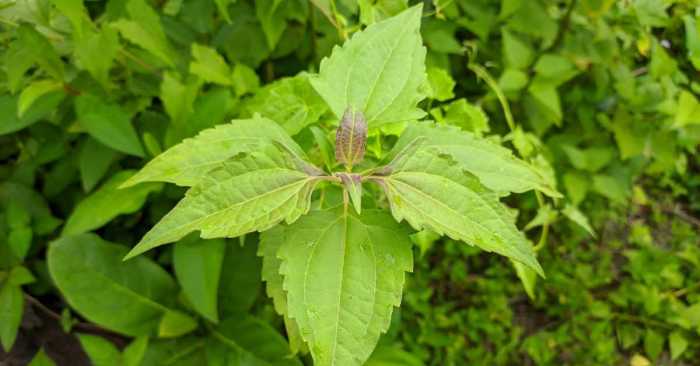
(601, 94)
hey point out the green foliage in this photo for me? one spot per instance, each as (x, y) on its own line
(562, 135)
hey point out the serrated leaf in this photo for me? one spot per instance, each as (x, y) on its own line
(108, 123)
(379, 71)
(494, 165)
(11, 308)
(186, 163)
(126, 297)
(108, 202)
(209, 65)
(343, 275)
(251, 192)
(197, 266)
(431, 192)
(33, 92)
(291, 102)
(145, 30)
(270, 242)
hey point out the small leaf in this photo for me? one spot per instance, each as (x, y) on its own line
(343, 275)
(186, 163)
(575, 215)
(41, 108)
(134, 352)
(108, 202)
(108, 123)
(40, 50)
(95, 160)
(324, 147)
(100, 351)
(175, 324)
(678, 344)
(96, 51)
(41, 359)
(653, 343)
(145, 30)
(74, 11)
(353, 185)
(197, 265)
(379, 71)
(33, 91)
(209, 65)
(240, 279)
(11, 308)
(351, 138)
(19, 276)
(127, 297)
(251, 192)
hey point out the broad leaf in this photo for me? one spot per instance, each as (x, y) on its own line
(379, 71)
(291, 102)
(494, 165)
(250, 192)
(197, 265)
(11, 308)
(127, 297)
(343, 275)
(253, 341)
(186, 163)
(108, 202)
(431, 192)
(108, 123)
(43, 106)
(95, 159)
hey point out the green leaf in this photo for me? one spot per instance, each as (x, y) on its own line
(108, 202)
(126, 297)
(255, 342)
(133, 353)
(19, 240)
(19, 276)
(575, 215)
(392, 356)
(692, 39)
(108, 123)
(527, 277)
(178, 98)
(95, 160)
(100, 351)
(175, 324)
(651, 12)
(441, 84)
(39, 50)
(186, 163)
(74, 11)
(9, 122)
(209, 65)
(270, 243)
(291, 102)
(678, 344)
(96, 51)
(379, 71)
(222, 6)
(343, 275)
(688, 111)
(197, 265)
(33, 92)
(494, 165)
(271, 15)
(251, 192)
(11, 308)
(353, 185)
(431, 192)
(145, 30)
(516, 53)
(653, 343)
(240, 279)
(245, 81)
(41, 359)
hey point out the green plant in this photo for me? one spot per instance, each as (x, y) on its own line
(335, 275)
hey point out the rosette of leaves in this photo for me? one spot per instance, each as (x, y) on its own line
(335, 274)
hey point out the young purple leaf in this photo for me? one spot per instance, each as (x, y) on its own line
(351, 138)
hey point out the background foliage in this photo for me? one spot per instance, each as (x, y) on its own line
(602, 93)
